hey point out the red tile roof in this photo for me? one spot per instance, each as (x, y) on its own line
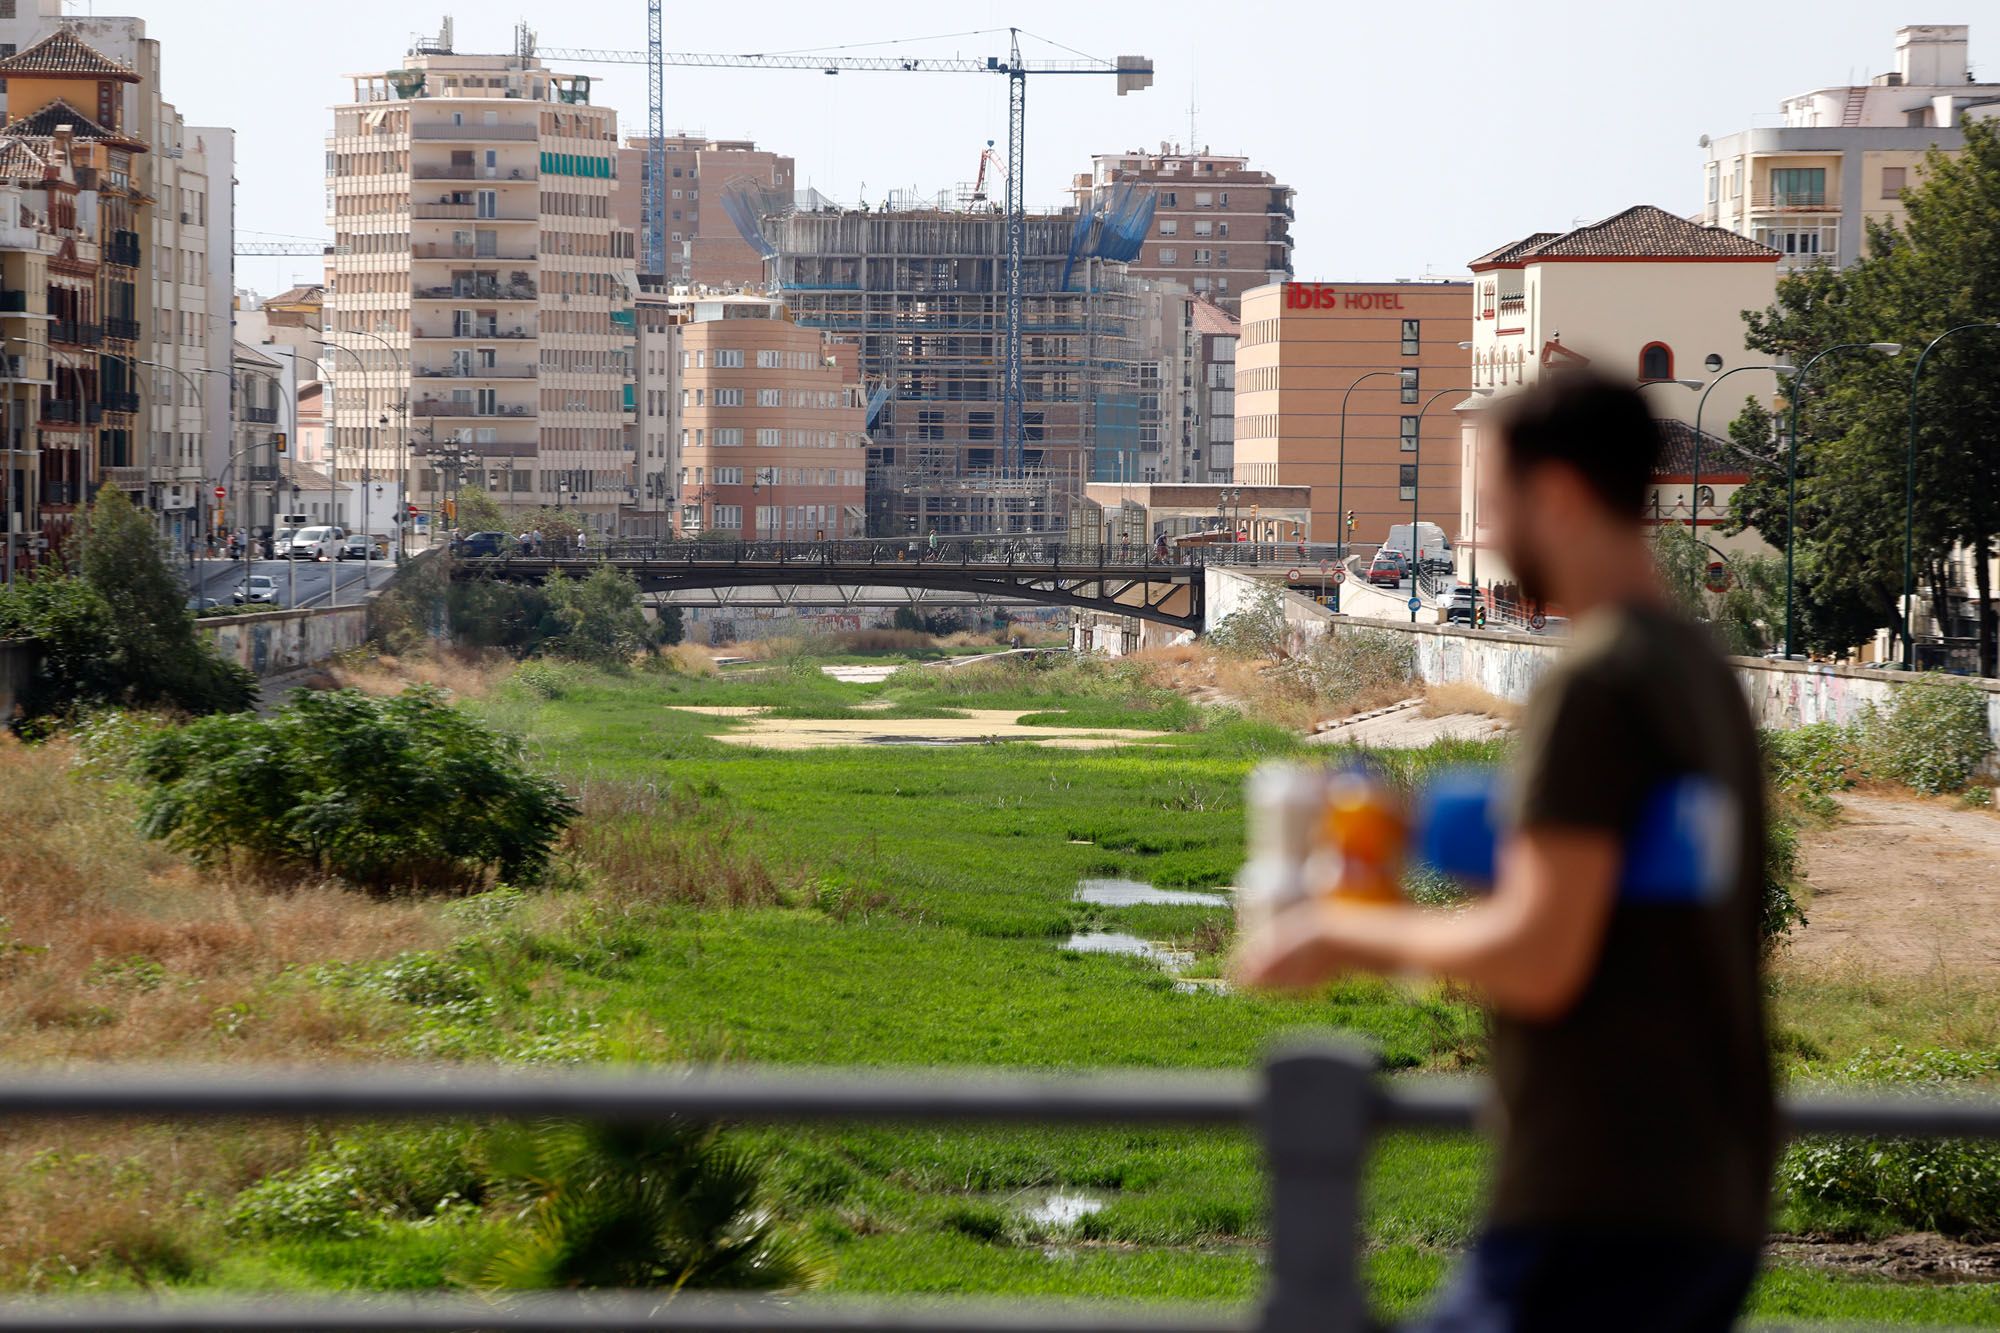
(1640, 232)
(63, 52)
(44, 123)
(1212, 318)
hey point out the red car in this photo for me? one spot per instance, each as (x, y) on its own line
(1389, 566)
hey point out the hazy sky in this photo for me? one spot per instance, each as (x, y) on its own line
(1417, 134)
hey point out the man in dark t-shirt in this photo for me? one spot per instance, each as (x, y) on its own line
(1632, 1085)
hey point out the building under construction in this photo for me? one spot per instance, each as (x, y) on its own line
(923, 291)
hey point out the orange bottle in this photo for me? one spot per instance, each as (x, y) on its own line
(1363, 834)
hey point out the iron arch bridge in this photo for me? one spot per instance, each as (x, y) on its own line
(1131, 580)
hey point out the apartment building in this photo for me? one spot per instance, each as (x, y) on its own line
(37, 214)
(1220, 226)
(1809, 188)
(180, 247)
(1303, 347)
(704, 248)
(475, 279)
(1645, 296)
(656, 393)
(772, 420)
(1215, 333)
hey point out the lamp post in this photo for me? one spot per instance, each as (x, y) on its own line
(1792, 473)
(1417, 488)
(1340, 487)
(1694, 487)
(1910, 495)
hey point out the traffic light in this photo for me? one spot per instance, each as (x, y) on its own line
(450, 510)
(1350, 520)
(278, 442)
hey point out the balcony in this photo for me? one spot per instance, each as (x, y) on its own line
(124, 478)
(475, 372)
(266, 472)
(437, 409)
(448, 250)
(122, 330)
(475, 133)
(478, 291)
(13, 303)
(121, 400)
(262, 416)
(468, 171)
(123, 249)
(1791, 201)
(62, 411)
(1513, 303)
(476, 332)
(75, 333)
(443, 211)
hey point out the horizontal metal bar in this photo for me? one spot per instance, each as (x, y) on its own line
(560, 1313)
(733, 1094)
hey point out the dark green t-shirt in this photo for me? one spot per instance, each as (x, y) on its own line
(1647, 1106)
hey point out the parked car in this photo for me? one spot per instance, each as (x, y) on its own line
(361, 546)
(1461, 605)
(201, 604)
(256, 588)
(483, 543)
(1388, 567)
(317, 543)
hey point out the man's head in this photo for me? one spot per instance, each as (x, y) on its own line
(1573, 463)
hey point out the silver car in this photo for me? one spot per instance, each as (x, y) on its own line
(256, 588)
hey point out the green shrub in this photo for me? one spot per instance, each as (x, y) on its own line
(1951, 1186)
(1348, 663)
(1812, 762)
(542, 680)
(1781, 913)
(1258, 630)
(1932, 737)
(383, 793)
(598, 617)
(359, 1182)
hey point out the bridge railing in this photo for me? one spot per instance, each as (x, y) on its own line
(986, 552)
(1315, 1108)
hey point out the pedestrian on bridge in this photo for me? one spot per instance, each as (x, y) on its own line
(933, 542)
(1636, 1123)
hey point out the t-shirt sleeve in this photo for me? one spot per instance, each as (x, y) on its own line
(1582, 762)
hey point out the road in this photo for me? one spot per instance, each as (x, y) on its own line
(218, 579)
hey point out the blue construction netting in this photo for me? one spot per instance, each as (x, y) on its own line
(1114, 229)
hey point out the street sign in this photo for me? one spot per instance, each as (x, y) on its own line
(1416, 602)
(1717, 577)
(1326, 566)
(1538, 622)
(1292, 576)
(221, 492)
(1340, 576)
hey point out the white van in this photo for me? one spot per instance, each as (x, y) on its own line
(1429, 550)
(311, 544)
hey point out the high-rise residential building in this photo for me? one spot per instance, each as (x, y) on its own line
(656, 395)
(1220, 227)
(182, 248)
(1215, 332)
(1843, 155)
(921, 293)
(704, 248)
(1303, 347)
(771, 417)
(477, 284)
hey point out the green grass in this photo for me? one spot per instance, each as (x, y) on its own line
(929, 893)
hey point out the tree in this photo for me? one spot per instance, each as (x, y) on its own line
(479, 512)
(1747, 614)
(120, 633)
(673, 626)
(1938, 271)
(386, 794)
(600, 617)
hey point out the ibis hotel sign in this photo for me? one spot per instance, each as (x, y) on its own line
(1332, 296)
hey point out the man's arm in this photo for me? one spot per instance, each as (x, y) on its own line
(1530, 948)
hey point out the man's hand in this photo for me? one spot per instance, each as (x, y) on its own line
(1531, 947)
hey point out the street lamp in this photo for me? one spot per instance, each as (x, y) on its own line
(1694, 487)
(1792, 473)
(1417, 487)
(1910, 495)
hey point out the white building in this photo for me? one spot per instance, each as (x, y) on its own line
(1844, 154)
(1643, 295)
(475, 279)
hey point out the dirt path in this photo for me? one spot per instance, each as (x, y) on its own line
(1903, 885)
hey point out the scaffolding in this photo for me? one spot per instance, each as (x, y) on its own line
(924, 295)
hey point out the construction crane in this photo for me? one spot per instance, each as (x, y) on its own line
(979, 182)
(1132, 72)
(281, 249)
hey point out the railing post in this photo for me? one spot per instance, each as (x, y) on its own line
(1314, 1121)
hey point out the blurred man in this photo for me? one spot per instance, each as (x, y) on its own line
(1635, 1117)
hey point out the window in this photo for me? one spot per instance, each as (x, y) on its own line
(1408, 436)
(1798, 187)
(729, 516)
(769, 360)
(769, 438)
(1203, 199)
(1406, 481)
(729, 476)
(1203, 256)
(1894, 181)
(1169, 227)
(1169, 199)
(726, 397)
(1656, 362)
(770, 398)
(1203, 227)
(1409, 384)
(1412, 336)
(728, 358)
(1170, 256)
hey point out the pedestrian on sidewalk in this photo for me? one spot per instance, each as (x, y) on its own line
(1633, 1081)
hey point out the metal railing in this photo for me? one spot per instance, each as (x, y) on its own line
(1315, 1108)
(969, 552)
